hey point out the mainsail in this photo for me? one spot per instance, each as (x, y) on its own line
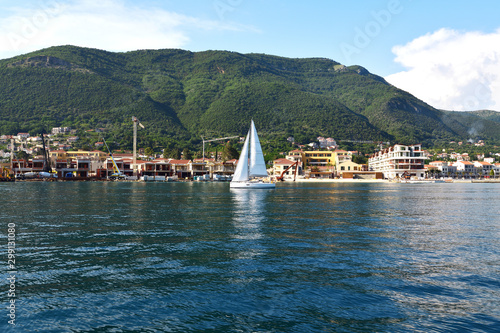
(257, 163)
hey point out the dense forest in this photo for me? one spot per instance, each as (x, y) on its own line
(181, 96)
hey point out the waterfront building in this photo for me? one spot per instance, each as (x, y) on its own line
(496, 169)
(282, 164)
(19, 166)
(295, 155)
(483, 168)
(124, 164)
(198, 167)
(349, 165)
(445, 168)
(181, 168)
(64, 155)
(319, 158)
(221, 169)
(399, 161)
(465, 168)
(159, 168)
(342, 156)
(81, 167)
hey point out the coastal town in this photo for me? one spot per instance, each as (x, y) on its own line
(319, 160)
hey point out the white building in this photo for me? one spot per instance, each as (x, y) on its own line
(496, 168)
(465, 167)
(60, 130)
(445, 168)
(483, 168)
(326, 143)
(399, 161)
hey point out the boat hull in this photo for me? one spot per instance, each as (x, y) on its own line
(252, 185)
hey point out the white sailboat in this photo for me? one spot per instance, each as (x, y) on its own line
(251, 164)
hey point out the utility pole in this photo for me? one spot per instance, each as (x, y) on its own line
(134, 163)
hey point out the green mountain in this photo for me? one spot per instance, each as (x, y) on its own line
(180, 96)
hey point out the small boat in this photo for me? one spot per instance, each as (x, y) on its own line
(251, 166)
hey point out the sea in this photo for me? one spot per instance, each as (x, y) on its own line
(200, 257)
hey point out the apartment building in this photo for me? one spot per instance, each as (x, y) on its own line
(465, 167)
(399, 161)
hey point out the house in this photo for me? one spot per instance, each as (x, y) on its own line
(160, 167)
(348, 165)
(181, 168)
(23, 136)
(124, 165)
(342, 156)
(60, 130)
(38, 164)
(320, 172)
(313, 145)
(221, 169)
(81, 167)
(489, 160)
(19, 166)
(326, 143)
(295, 155)
(198, 167)
(281, 164)
(34, 139)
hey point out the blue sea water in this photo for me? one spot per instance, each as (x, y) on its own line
(199, 257)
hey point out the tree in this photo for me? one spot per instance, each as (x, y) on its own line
(229, 152)
(359, 159)
(149, 151)
(186, 154)
(174, 153)
(22, 155)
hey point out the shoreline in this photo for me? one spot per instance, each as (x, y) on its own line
(303, 180)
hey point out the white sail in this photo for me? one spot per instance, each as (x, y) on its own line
(257, 167)
(257, 163)
(241, 172)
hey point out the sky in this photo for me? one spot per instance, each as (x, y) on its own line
(446, 53)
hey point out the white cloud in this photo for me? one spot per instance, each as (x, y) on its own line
(452, 70)
(103, 24)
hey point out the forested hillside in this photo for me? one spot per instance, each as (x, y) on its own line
(180, 96)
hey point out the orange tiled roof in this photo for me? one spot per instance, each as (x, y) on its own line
(179, 161)
(283, 161)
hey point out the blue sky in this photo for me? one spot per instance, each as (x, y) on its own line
(444, 52)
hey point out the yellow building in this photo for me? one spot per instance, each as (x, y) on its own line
(319, 158)
(64, 155)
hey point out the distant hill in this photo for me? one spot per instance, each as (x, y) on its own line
(488, 114)
(180, 95)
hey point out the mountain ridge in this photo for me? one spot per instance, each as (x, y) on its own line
(181, 95)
